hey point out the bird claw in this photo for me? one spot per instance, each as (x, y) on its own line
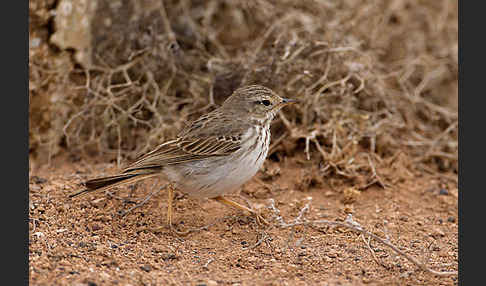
(260, 220)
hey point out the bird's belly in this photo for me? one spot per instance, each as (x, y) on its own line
(214, 177)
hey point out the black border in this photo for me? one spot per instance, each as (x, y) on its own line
(14, 90)
(471, 142)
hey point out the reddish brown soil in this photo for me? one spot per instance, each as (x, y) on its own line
(84, 242)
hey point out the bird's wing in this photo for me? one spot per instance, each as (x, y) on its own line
(206, 137)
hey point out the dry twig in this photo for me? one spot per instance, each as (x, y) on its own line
(349, 223)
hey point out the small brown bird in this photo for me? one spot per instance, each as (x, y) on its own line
(214, 155)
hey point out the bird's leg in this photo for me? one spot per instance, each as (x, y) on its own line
(144, 201)
(170, 194)
(260, 220)
(170, 211)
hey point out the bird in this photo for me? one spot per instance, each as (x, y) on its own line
(212, 156)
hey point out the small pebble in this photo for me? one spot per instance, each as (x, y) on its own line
(38, 180)
(35, 42)
(443, 192)
(437, 232)
(146, 268)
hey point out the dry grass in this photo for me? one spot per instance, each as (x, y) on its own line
(376, 79)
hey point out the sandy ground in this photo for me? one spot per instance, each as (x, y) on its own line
(85, 242)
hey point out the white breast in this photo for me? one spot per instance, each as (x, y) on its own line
(218, 176)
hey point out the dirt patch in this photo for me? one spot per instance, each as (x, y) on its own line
(85, 242)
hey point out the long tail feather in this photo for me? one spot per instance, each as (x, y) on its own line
(106, 183)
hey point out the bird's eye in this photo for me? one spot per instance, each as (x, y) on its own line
(265, 102)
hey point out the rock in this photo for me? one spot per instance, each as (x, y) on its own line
(146, 268)
(436, 232)
(109, 30)
(38, 180)
(73, 28)
(443, 192)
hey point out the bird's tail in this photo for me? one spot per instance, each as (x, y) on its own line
(106, 183)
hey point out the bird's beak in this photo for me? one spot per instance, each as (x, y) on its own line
(286, 101)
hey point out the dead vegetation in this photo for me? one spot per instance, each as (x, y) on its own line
(374, 78)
